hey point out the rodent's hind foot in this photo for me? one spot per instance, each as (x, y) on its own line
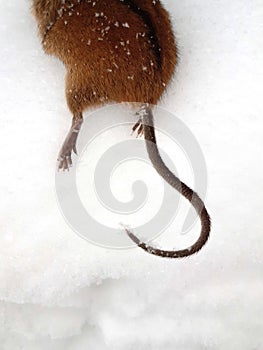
(69, 145)
(64, 162)
(138, 128)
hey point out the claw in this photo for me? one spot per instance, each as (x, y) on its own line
(140, 131)
(69, 161)
(75, 150)
(138, 127)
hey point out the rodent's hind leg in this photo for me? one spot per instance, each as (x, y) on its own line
(69, 145)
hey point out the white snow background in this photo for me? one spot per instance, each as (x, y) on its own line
(57, 291)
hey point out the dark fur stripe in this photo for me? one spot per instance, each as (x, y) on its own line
(152, 33)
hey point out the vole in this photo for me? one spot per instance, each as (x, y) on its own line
(122, 51)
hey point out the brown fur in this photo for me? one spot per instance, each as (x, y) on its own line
(104, 61)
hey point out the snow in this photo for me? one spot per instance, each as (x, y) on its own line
(57, 290)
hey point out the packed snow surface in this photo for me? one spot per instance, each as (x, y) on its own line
(57, 290)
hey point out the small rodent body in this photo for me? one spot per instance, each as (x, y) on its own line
(121, 51)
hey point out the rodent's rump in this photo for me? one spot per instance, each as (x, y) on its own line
(122, 51)
(113, 50)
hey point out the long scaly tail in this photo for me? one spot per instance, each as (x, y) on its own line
(171, 179)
